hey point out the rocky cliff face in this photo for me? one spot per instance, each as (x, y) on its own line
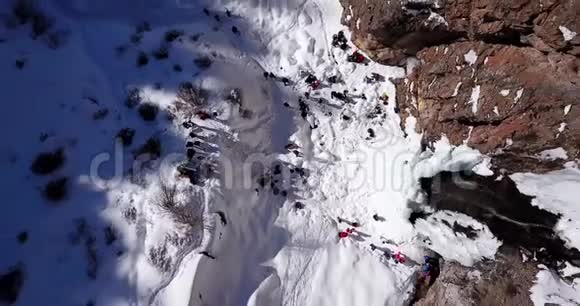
(502, 76)
(506, 281)
(392, 30)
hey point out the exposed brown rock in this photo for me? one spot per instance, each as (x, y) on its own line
(391, 30)
(505, 281)
(520, 108)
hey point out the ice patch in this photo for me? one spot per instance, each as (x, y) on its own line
(349, 16)
(519, 94)
(567, 33)
(447, 157)
(569, 270)
(437, 18)
(474, 275)
(562, 127)
(509, 142)
(496, 110)
(456, 91)
(558, 192)
(484, 167)
(550, 289)
(457, 246)
(504, 92)
(553, 154)
(567, 109)
(474, 98)
(358, 24)
(470, 57)
(466, 140)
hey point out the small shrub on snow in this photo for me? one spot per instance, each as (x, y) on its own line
(22, 237)
(24, 10)
(133, 98)
(83, 233)
(189, 213)
(189, 94)
(246, 113)
(142, 59)
(161, 53)
(126, 136)
(40, 25)
(159, 258)
(10, 284)
(136, 38)
(152, 148)
(48, 162)
(203, 62)
(148, 111)
(143, 27)
(110, 235)
(57, 38)
(172, 35)
(92, 259)
(27, 11)
(56, 190)
(20, 63)
(100, 114)
(130, 215)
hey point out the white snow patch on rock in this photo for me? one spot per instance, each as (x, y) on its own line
(456, 91)
(567, 109)
(496, 110)
(457, 246)
(562, 127)
(553, 154)
(509, 142)
(447, 157)
(567, 33)
(474, 98)
(470, 57)
(569, 270)
(557, 192)
(519, 94)
(504, 92)
(466, 140)
(550, 289)
(437, 18)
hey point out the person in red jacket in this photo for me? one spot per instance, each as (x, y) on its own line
(356, 57)
(345, 233)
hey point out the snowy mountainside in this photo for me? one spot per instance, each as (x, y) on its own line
(106, 209)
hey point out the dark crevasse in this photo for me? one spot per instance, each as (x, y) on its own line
(508, 213)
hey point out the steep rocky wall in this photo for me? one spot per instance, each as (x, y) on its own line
(505, 281)
(392, 30)
(509, 102)
(501, 75)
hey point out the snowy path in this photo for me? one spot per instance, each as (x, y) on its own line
(310, 265)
